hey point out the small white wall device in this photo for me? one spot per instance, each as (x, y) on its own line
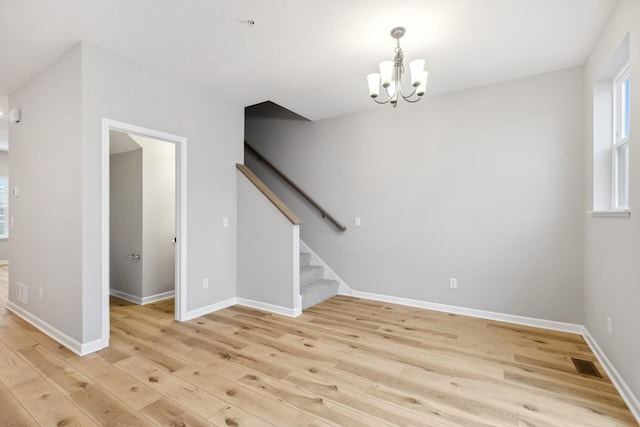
(15, 115)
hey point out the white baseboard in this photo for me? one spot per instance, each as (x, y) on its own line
(158, 297)
(141, 301)
(284, 311)
(72, 344)
(491, 315)
(343, 288)
(627, 395)
(189, 315)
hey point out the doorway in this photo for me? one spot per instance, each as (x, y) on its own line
(143, 238)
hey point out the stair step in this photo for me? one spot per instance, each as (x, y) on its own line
(305, 258)
(317, 291)
(310, 273)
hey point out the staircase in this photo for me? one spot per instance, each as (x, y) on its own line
(314, 288)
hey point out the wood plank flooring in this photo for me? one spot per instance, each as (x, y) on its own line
(345, 362)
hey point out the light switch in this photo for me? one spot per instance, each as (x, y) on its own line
(225, 222)
(358, 223)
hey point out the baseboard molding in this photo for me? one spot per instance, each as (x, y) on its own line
(207, 309)
(463, 311)
(158, 297)
(627, 395)
(141, 301)
(343, 288)
(284, 311)
(72, 344)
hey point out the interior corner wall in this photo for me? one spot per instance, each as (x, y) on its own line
(159, 216)
(483, 185)
(612, 247)
(4, 171)
(121, 90)
(46, 167)
(126, 222)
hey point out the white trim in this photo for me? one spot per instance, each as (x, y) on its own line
(158, 297)
(343, 288)
(141, 300)
(181, 215)
(189, 315)
(297, 298)
(284, 311)
(491, 315)
(610, 214)
(627, 395)
(55, 334)
(4, 262)
(276, 309)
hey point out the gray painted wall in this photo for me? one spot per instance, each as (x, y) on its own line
(267, 244)
(4, 171)
(159, 216)
(126, 218)
(612, 247)
(121, 90)
(46, 154)
(143, 219)
(57, 245)
(482, 185)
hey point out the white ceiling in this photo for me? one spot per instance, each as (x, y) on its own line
(310, 56)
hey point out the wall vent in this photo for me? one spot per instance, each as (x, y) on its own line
(586, 367)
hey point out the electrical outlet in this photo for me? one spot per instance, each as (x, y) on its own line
(205, 283)
(453, 283)
(609, 325)
(22, 293)
(357, 221)
(225, 222)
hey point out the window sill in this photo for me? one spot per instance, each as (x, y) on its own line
(611, 214)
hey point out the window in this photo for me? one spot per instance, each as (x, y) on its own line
(4, 232)
(611, 103)
(620, 149)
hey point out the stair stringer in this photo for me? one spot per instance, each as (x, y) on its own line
(343, 288)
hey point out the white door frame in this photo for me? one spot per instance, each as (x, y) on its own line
(181, 215)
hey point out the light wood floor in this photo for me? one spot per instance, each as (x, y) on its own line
(346, 362)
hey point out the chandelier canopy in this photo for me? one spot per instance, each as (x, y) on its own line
(390, 76)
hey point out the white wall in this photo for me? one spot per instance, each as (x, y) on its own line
(4, 171)
(612, 247)
(482, 185)
(46, 165)
(268, 251)
(57, 241)
(125, 222)
(159, 216)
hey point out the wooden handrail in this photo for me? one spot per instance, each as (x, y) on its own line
(291, 216)
(293, 185)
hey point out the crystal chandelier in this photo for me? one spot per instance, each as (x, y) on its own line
(390, 76)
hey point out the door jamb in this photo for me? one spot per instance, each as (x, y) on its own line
(181, 216)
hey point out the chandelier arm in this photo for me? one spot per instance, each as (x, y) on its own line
(381, 102)
(412, 101)
(407, 98)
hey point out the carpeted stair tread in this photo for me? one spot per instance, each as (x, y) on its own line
(310, 273)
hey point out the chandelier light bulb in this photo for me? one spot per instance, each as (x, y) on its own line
(386, 72)
(422, 87)
(374, 84)
(417, 70)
